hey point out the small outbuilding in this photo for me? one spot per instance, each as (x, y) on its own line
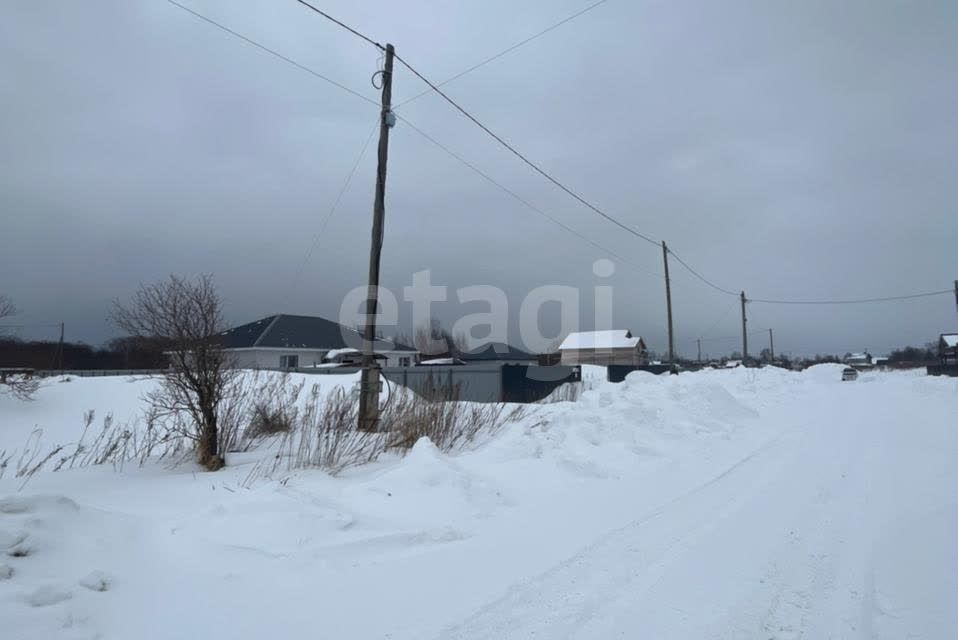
(948, 349)
(860, 361)
(611, 347)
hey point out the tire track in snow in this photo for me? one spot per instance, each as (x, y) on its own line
(559, 601)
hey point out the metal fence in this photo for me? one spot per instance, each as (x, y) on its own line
(486, 382)
(96, 373)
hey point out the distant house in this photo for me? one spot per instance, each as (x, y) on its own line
(613, 347)
(290, 342)
(860, 360)
(948, 349)
(498, 352)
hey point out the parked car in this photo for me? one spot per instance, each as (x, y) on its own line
(848, 373)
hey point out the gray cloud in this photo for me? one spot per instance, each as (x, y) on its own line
(796, 150)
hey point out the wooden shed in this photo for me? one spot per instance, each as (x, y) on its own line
(948, 349)
(611, 347)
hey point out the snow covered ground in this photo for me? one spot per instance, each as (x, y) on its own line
(720, 504)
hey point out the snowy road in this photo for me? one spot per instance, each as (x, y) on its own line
(832, 530)
(726, 505)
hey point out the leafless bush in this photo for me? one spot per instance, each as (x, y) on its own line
(269, 421)
(7, 307)
(22, 387)
(187, 317)
(449, 423)
(325, 434)
(258, 404)
(113, 443)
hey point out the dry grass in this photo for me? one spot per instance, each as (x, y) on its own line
(264, 410)
(325, 434)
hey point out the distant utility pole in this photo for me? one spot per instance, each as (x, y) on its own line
(369, 381)
(698, 342)
(771, 345)
(60, 350)
(744, 332)
(668, 301)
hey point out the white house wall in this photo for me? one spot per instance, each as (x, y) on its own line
(269, 358)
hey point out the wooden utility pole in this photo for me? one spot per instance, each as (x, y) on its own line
(668, 301)
(698, 343)
(744, 332)
(60, 348)
(771, 344)
(369, 381)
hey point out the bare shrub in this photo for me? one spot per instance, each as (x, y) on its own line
(269, 421)
(449, 423)
(7, 307)
(187, 317)
(324, 437)
(257, 405)
(113, 443)
(22, 387)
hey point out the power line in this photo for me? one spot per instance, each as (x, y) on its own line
(508, 50)
(522, 200)
(343, 25)
(271, 52)
(342, 191)
(526, 160)
(414, 127)
(857, 301)
(700, 276)
(514, 151)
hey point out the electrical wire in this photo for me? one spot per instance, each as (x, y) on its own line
(699, 275)
(522, 200)
(314, 243)
(433, 87)
(272, 52)
(342, 24)
(856, 301)
(506, 51)
(416, 129)
(524, 159)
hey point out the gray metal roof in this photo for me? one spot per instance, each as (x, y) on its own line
(299, 332)
(496, 351)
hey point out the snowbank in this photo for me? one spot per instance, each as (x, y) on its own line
(771, 502)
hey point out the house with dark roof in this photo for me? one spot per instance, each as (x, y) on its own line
(498, 352)
(288, 342)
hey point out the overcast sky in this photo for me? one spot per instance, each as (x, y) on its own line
(791, 149)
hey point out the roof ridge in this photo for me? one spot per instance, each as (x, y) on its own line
(266, 330)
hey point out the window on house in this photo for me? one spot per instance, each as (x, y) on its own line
(288, 362)
(404, 362)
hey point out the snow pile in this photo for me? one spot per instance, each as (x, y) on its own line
(59, 564)
(766, 503)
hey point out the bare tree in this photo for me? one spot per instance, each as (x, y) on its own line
(187, 316)
(6, 307)
(433, 339)
(19, 385)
